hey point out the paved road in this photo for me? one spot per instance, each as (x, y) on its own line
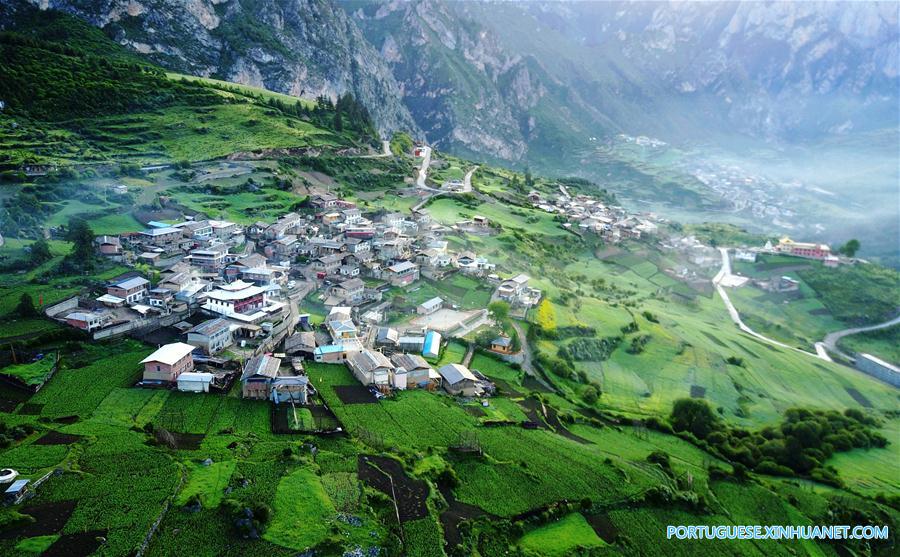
(467, 180)
(423, 171)
(470, 351)
(724, 275)
(385, 151)
(831, 339)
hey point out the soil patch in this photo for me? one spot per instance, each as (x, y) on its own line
(506, 389)
(455, 513)
(858, 397)
(8, 406)
(387, 476)
(325, 419)
(76, 545)
(532, 384)
(67, 420)
(31, 409)
(180, 441)
(164, 335)
(354, 394)
(11, 397)
(145, 216)
(604, 527)
(188, 441)
(57, 438)
(697, 391)
(49, 518)
(532, 409)
(475, 411)
(557, 425)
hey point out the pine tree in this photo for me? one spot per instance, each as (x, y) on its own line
(40, 252)
(81, 235)
(25, 307)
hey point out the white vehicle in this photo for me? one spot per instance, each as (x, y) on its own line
(292, 284)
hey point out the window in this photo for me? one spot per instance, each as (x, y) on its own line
(157, 368)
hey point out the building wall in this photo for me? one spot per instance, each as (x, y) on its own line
(256, 390)
(878, 371)
(130, 295)
(193, 386)
(465, 387)
(211, 344)
(413, 378)
(158, 371)
(331, 357)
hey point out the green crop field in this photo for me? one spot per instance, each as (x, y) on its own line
(569, 534)
(34, 373)
(453, 354)
(208, 482)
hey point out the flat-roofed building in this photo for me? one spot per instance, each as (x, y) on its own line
(131, 290)
(212, 336)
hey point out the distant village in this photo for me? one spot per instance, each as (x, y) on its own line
(587, 214)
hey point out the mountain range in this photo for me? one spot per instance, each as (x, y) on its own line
(535, 81)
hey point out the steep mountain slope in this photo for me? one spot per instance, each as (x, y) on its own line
(71, 95)
(469, 92)
(530, 81)
(784, 70)
(535, 81)
(306, 48)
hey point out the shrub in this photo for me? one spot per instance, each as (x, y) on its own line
(693, 415)
(590, 394)
(660, 458)
(735, 361)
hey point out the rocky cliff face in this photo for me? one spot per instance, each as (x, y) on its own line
(304, 48)
(537, 81)
(460, 84)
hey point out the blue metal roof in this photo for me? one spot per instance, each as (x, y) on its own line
(17, 486)
(432, 343)
(329, 349)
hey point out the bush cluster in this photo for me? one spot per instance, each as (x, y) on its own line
(800, 445)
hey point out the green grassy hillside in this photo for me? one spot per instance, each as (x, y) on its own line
(96, 102)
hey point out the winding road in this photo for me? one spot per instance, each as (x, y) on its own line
(385, 151)
(831, 339)
(423, 169)
(467, 180)
(724, 275)
(823, 347)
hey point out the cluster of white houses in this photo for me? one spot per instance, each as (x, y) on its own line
(234, 282)
(385, 362)
(240, 274)
(584, 213)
